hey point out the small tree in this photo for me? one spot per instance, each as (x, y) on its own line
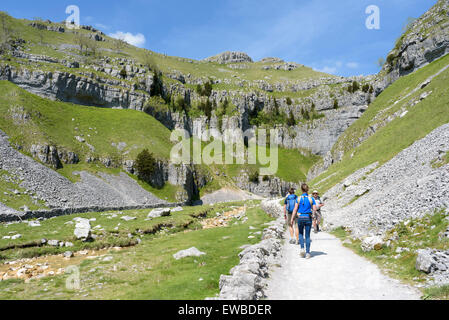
(225, 105)
(180, 104)
(157, 87)
(123, 73)
(82, 42)
(336, 106)
(291, 121)
(207, 89)
(306, 115)
(93, 46)
(199, 89)
(150, 62)
(254, 176)
(289, 101)
(145, 165)
(119, 44)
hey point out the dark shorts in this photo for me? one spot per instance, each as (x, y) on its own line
(289, 218)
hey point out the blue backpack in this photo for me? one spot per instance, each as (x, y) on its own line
(291, 202)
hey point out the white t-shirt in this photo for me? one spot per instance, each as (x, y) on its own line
(318, 202)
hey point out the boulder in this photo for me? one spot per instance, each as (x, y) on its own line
(54, 243)
(127, 218)
(191, 252)
(82, 229)
(372, 243)
(424, 260)
(34, 224)
(160, 212)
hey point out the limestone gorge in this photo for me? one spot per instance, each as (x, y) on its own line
(78, 108)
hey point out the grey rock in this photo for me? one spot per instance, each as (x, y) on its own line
(230, 57)
(54, 243)
(191, 252)
(68, 254)
(82, 229)
(159, 212)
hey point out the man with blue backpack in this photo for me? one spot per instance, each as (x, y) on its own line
(304, 208)
(289, 207)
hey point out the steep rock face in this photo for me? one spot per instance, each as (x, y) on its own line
(188, 177)
(426, 40)
(71, 88)
(274, 187)
(230, 57)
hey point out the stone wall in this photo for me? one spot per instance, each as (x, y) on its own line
(246, 280)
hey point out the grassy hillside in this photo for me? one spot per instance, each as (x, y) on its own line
(58, 123)
(49, 43)
(147, 270)
(109, 133)
(399, 134)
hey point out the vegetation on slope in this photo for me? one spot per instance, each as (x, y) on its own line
(388, 141)
(29, 119)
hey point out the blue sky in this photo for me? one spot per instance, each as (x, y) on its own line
(328, 35)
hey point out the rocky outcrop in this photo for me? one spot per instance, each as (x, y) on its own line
(230, 57)
(273, 187)
(426, 40)
(76, 89)
(186, 176)
(435, 263)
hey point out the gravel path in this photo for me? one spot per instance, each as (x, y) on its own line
(333, 273)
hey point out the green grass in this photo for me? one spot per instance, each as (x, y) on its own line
(437, 293)
(438, 163)
(399, 134)
(113, 229)
(148, 271)
(419, 233)
(57, 123)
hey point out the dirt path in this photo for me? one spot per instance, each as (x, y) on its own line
(333, 273)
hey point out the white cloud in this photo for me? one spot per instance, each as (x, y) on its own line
(327, 69)
(352, 65)
(137, 40)
(101, 26)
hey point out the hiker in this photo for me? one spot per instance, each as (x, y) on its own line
(317, 217)
(289, 206)
(305, 206)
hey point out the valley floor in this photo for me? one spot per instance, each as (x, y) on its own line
(333, 273)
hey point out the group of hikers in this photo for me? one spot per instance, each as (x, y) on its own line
(302, 213)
